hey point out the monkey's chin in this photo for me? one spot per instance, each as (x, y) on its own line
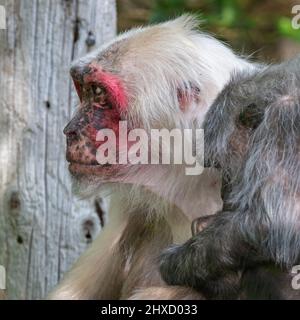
(88, 180)
(106, 171)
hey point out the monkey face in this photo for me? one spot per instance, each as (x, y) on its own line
(102, 98)
(153, 78)
(105, 101)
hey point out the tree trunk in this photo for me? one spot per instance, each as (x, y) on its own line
(43, 228)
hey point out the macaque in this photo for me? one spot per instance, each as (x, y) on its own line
(252, 134)
(161, 76)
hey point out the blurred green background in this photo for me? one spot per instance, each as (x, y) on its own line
(260, 28)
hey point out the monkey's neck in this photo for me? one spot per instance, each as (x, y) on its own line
(164, 193)
(151, 210)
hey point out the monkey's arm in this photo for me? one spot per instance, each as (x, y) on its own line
(98, 274)
(210, 261)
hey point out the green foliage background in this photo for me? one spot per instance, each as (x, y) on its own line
(251, 26)
(242, 21)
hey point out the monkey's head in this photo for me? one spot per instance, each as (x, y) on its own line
(256, 105)
(162, 76)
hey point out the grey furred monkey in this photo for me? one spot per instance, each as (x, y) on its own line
(252, 134)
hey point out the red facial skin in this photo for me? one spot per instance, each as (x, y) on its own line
(111, 83)
(93, 115)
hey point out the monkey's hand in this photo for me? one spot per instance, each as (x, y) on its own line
(194, 264)
(176, 264)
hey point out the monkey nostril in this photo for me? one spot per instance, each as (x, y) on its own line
(78, 71)
(70, 132)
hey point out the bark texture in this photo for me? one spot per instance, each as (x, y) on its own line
(43, 228)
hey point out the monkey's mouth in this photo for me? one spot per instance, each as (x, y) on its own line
(77, 167)
(106, 170)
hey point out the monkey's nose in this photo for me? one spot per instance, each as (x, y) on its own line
(70, 131)
(78, 71)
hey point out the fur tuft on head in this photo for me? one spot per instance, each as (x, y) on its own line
(160, 64)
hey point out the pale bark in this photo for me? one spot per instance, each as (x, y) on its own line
(43, 228)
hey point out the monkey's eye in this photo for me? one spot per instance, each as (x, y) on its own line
(100, 96)
(98, 90)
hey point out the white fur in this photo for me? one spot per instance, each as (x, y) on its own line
(154, 62)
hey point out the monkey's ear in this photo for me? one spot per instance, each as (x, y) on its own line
(187, 96)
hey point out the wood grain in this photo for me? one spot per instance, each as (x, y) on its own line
(42, 225)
